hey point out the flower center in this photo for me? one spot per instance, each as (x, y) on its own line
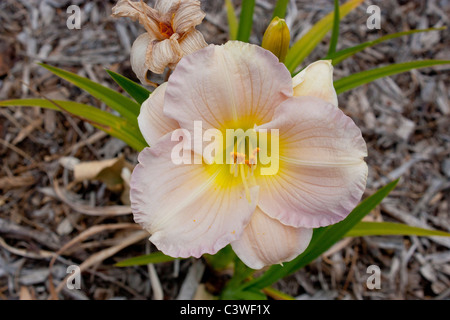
(166, 30)
(238, 157)
(243, 162)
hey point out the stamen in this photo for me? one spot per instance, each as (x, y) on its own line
(244, 181)
(166, 30)
(244, 167)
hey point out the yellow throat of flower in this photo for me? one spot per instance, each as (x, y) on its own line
(245, 157)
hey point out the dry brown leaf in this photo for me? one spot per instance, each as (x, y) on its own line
(81, 237)
(94, 138)
(25, 294)
(104, 254)
(90, 169)
(7, 183)
(89, 233)
(202, 293)
(40, 254)
(108, 171)
(47, 238)
(25, 132)
(90, 210)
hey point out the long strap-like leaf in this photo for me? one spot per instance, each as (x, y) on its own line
(128, 108)
(233, 23)
(336, 24)
(280, 9)
(136, 91)
(364, 77)
(246, 20)
(341, 55)
(323, 239)
(364, 228)
(154, 257)
(115, 126)
(303, 47)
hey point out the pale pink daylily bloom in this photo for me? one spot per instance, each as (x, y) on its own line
(170, 35)
(192, 209)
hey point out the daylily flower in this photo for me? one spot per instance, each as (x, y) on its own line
(192, 209)
(170, 35)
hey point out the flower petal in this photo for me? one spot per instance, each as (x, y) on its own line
(188, 15)
(266, 241)
(187, 212)
(322, 174)
(165, 7)
(152, 121)
(146, 15)
(316, 80)
(192, 41)
(236, 84)
(138, 56)
(166, 53)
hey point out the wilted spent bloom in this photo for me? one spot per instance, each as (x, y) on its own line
(170, 35)
(277, 38)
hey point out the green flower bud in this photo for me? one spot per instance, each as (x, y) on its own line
(277, 38)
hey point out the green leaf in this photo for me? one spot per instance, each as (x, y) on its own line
(128, 108)
(276, 294)
(280, 9)
(250, 294)
(241, 273)
(246, 20)
(364, 77)
(303, 47)
(155, 257)
(322, 240)
(221, 259)
(232, 290)
(335, 34)
(390, 228)
(136, 91)
(115, 126)
(233, 23)
(339, 56)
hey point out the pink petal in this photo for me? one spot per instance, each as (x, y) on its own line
(152, 121)
(322, 174)
(234, 85)
(186, 210)
(266, 241)
(316, 80)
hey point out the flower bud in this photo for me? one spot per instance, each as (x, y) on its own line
(277, 38)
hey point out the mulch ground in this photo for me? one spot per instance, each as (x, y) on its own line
(44, 210)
